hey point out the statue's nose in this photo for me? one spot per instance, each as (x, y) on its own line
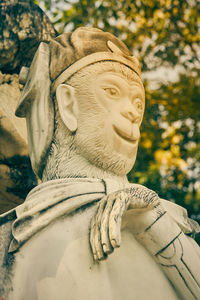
(129, 112)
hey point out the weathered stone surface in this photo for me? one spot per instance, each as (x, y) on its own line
(23, 25)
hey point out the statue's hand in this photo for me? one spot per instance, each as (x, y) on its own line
(105, 234)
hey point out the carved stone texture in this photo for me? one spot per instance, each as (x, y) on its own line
(23, 25)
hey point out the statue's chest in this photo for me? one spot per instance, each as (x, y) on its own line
(57, 264)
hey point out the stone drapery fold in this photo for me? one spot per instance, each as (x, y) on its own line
(56, 198)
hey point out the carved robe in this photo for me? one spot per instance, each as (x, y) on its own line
(48, 254)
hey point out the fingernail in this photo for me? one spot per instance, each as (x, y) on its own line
(103, 257)
(100, 255)
(115, 244)
(95, 257)
(105, 249)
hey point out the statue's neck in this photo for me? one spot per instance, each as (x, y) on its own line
(75, 166)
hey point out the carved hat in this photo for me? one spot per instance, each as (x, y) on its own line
(72, 51)
(52, 65)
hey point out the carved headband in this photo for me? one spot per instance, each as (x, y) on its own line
(115, 55)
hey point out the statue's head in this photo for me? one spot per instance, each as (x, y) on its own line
(84, 96)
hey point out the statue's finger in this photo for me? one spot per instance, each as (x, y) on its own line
(105, 240)
(107, 247)
(97, 233)
(93, 228)
(115, 220)
(92, 235)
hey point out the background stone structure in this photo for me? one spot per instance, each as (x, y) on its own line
(23, 25)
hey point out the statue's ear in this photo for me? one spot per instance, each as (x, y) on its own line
(67, 106)
(36, 105)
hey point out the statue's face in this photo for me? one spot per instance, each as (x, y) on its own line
(110, 115)
(124, 103)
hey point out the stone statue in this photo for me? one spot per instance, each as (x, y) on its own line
(84, 102)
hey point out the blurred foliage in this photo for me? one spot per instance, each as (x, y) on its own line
(21, 175)
(161, 33)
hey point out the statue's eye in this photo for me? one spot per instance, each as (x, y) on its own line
(112, 92)
(138, 104)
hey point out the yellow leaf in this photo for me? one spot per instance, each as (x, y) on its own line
(153, 123)
(186, 31)
(163, 157)
(158, 14)
(180, 164)
(176, 138)
(175, 101)
(175, 10)
(147, 143)
(175, 150)
(141, 38)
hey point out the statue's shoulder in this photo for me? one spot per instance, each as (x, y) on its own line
(6, 221)
(7, 218)
(6, 258)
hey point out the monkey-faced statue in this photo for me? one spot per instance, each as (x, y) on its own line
(85, 232)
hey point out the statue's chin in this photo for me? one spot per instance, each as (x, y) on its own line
(104, 152)
(117, 164)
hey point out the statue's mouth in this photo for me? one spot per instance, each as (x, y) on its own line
(125, 136)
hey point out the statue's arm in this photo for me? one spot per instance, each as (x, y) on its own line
(177, 254)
